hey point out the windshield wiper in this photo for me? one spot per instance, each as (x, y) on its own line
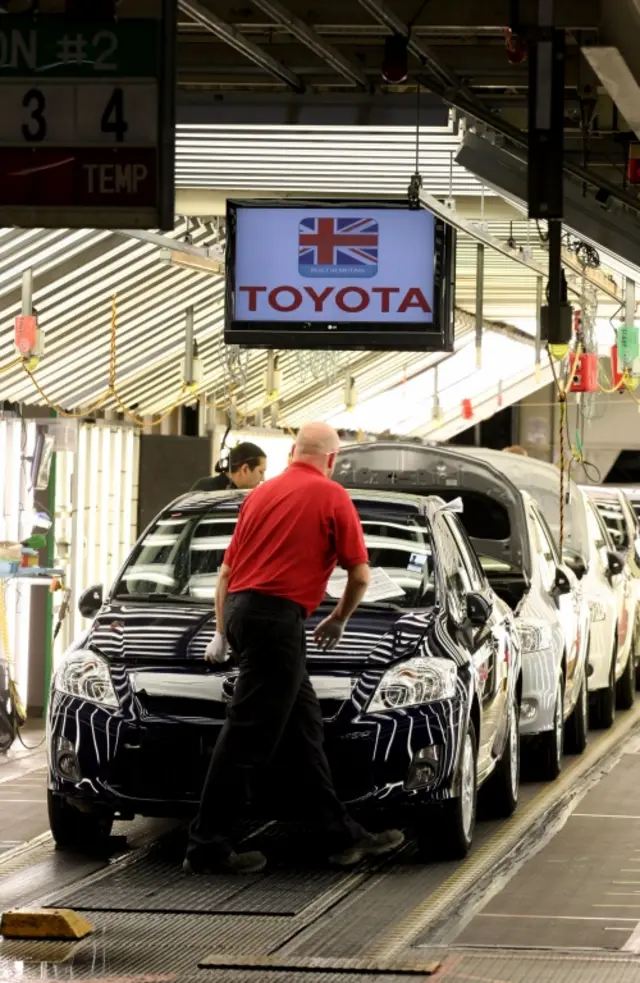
(383, 605)
(160, 598)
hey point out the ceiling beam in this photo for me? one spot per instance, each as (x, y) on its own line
(312, 40)
(230, 35)
(496, 14)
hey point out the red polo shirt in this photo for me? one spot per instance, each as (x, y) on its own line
(291, 533)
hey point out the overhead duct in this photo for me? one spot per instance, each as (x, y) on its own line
(505, 172)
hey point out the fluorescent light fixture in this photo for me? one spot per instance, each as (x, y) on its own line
(618, 79)
(203, 264)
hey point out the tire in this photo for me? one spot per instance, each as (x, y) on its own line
(550, 748)
(71, 829)
(626, 686)
(604, 701)
(500, 794)
(577, 726)
(449, 834)
(7, 732)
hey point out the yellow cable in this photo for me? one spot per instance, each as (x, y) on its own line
(11, 365)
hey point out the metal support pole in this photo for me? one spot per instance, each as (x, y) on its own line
(479, 302)
(188, 345)
(50, 562)
(629, 301)
(27, 293)
(555, 280)
(436, 413)
(539, 297)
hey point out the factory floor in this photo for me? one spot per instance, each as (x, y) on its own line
(552, 894)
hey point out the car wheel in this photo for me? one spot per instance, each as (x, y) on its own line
(75, 830)
(604, 701)
(7, 732)
(450, 833)
(550, 746)
(577, 725)
(626, 687)
(501, 792)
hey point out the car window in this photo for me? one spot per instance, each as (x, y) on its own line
(597, 534)
(399, 542)
(472, 565)
(612, 514)
(182, 553)
(457, 582)
(544, 550)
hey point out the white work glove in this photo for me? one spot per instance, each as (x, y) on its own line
(329, 633)
(218, 649)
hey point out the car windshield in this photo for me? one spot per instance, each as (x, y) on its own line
(180, 556)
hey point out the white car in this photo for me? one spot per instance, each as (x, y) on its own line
(624, 528)
(588, 551)
(523, 566)
(614, 682)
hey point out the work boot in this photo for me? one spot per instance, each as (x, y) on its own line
(251, 862)
(371, 845)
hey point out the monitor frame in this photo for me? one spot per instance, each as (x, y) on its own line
(436, 336)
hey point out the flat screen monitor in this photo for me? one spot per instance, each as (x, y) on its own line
(351, 276)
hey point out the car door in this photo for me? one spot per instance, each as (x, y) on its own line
(567, 605)
(491, 648)
(622, 587)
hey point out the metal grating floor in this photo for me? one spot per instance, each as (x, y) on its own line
(153, 884)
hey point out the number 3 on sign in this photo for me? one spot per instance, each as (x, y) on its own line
(36, 129)
(113, 120)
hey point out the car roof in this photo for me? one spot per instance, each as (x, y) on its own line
(542, 480)
(192, 501)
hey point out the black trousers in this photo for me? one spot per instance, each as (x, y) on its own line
(273, 701)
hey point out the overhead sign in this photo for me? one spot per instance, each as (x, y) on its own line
(87, 120)
(371, 275)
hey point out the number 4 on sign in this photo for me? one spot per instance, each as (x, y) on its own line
(113, 120)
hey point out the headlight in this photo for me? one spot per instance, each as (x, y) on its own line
(86, 676)
(415, 681)
(598, 611)
(534, 638)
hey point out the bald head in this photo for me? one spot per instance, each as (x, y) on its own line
(317, 444)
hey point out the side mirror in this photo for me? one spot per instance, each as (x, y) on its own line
(90, 601)
(576, 563)
(479, 609)
(562, 584)
(615, 563)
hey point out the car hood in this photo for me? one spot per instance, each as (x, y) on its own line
(434, 470)
(176, 634)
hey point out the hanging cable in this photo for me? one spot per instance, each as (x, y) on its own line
(111, 392)
(10, 365)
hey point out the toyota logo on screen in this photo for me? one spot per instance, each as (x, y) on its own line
(333, 266)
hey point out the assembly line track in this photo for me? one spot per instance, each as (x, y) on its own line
(371, 916)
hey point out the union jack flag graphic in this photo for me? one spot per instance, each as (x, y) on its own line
(338, 247)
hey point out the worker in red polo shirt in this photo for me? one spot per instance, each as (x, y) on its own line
(291, 533)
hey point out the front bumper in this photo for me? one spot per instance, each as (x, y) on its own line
(539, 686)
(156, 766)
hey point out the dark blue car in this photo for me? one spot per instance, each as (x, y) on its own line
(420, 699)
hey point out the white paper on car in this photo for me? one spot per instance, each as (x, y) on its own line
(381, 588)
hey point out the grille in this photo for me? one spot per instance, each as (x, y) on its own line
(182, 707)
